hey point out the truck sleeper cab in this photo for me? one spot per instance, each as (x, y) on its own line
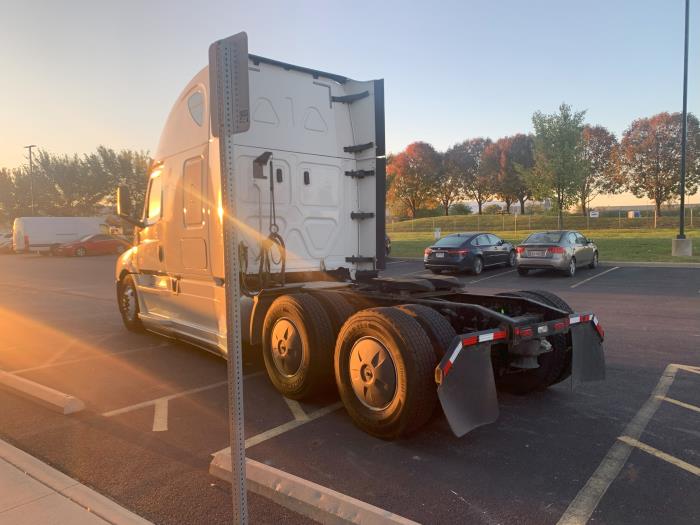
(311, 171)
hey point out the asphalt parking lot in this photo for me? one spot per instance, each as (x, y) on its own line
(156, 411)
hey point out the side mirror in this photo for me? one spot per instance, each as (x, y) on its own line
(124, 207)
(500, 243)
(123, 201)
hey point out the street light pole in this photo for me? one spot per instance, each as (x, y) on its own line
(684, 132)
(31, 169)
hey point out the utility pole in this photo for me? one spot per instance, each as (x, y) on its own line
(31, 169)
(684, 132)
(681, 245)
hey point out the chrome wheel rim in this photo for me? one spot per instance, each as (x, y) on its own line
(287, 347)
(129, 302)
(511, 259)
(372, 373)
(572, 267)
(477, 265)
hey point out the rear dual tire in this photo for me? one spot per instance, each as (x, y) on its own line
(298, 346)
(384, 364)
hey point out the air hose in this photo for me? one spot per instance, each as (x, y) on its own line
(266, 258)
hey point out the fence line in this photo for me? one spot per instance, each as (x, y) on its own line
(528, 223)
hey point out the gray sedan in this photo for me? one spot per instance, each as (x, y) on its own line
(562, 250)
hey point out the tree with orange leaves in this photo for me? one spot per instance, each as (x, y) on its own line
(412, 175)
(650, 157)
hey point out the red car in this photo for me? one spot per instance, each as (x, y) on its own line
(95, 244)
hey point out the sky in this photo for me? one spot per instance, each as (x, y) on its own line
(75, 74)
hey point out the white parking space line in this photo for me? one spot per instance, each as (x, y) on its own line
(491, 277)
(581, 508)
(169, 397)
(160, 416)
(673, 460)
(291, 425)
(103, 355)
(594, 277)
(296, 410)
(681, 404)
(688, 368)
(150, 402)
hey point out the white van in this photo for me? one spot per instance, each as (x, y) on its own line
(42, 234)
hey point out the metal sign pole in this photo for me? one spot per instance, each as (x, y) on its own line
(230, 110)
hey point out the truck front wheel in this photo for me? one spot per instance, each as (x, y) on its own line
(127, 297)
(384, 364)
(298, 346)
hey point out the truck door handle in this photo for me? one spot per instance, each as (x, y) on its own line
(161, 254)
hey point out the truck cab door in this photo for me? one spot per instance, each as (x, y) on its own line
(155, 286)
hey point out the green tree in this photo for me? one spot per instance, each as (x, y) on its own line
(460, 208)
(8, 200)
(123, 168)
(76, 190)
(650, 153)
(558, 168)
(492, 209)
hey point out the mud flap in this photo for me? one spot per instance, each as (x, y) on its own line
(467, 392)
(588, 359)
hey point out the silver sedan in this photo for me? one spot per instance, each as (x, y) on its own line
(562, 250)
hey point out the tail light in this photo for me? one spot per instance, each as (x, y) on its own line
(556, 249)
(458, 252)
(520, 249)
(26, 242)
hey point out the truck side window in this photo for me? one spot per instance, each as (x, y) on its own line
(195, 103)
(192, 192)
(155, 196)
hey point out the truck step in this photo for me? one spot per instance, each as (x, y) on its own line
(359, 174)
(358, 147)
(349, 99)
(361, 215)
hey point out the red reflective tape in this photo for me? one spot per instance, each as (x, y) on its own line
(524, 332)
(560, 325)
(598, 327)
(500, 335)
(446, 368)
(468, 341)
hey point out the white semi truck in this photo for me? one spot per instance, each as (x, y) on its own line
(309, 184)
